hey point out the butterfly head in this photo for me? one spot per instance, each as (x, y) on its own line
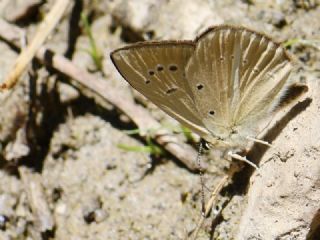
(229, 137)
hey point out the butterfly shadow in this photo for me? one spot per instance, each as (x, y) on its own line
(257, 150)
(314, 232)
(240, 180)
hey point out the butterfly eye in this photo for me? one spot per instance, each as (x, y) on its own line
(199, 86)
(159, 68)
(173, 68)
(211, 112)
(245, 61)
(151, 72)
(221, 58)
(147, 81)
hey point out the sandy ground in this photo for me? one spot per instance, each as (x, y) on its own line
(64, 176)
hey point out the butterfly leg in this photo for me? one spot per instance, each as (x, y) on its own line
(243, 159)
(201, 145)
(259, 141)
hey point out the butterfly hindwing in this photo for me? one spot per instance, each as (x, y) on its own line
(264, 80)
(236, 76)
(157, 71)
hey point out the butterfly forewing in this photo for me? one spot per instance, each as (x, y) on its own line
(212, 78)
(237, 76)
(157, 71)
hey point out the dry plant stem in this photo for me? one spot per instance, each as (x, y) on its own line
(45, 28)
(141, 117)
(234, 168)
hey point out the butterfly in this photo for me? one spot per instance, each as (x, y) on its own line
(223, 85)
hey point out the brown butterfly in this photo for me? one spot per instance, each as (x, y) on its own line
(222, 85)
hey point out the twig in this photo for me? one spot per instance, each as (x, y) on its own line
(45, 28)
(234, 168)
(140, 116)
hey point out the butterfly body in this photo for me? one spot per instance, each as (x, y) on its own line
(222, 85)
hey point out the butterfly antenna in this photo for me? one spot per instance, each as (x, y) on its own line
(200, 150)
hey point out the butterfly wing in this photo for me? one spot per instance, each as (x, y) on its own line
(237, 76)
(157, 71)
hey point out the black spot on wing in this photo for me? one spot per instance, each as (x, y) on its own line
(200, 86)
(171, 90)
